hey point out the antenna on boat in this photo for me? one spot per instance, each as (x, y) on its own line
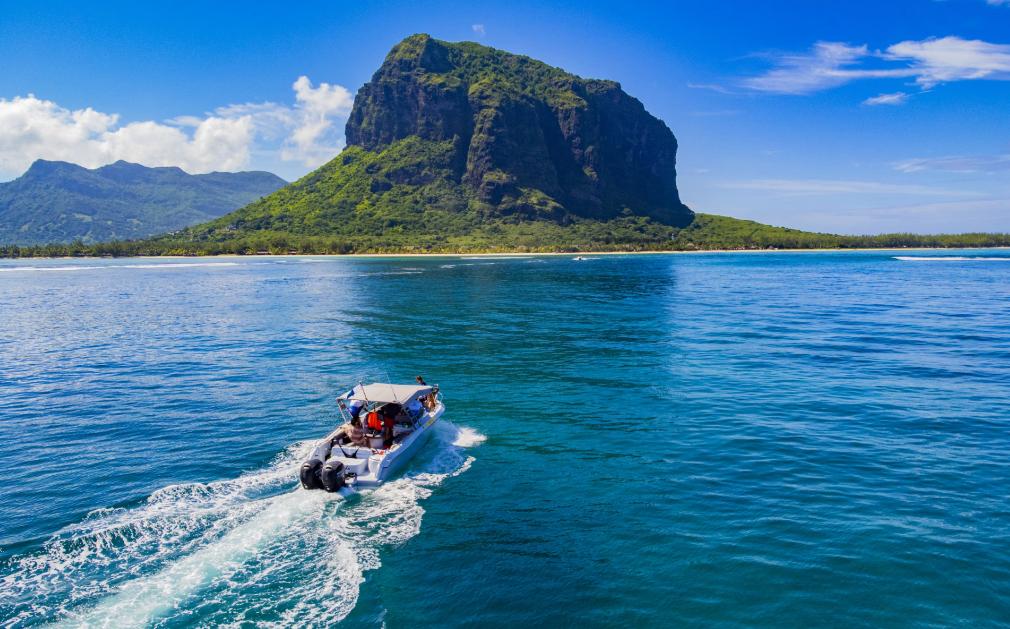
(389, 383)
(362, 385)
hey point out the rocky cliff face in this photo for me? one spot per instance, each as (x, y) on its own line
(524, 138)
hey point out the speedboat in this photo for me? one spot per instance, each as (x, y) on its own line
(580, 259)
(391, 423)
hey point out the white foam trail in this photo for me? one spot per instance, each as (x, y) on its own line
(229, 552)
(87, 560)
(951, 258)
(143, 600)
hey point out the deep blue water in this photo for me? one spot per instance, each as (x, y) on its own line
(780, 439)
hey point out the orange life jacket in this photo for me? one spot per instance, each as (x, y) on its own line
(374, 422)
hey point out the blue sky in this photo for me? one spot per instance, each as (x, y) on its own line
(852, 117)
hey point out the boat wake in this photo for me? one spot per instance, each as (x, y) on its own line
(249, 549)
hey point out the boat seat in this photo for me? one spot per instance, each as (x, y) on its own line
(357, 466)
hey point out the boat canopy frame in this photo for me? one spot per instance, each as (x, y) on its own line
(386, 393)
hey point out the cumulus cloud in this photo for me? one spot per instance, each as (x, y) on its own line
(478, 29)
(307, 132)
(32, 128)
(895, 98)
(313, 139)
(928, 62)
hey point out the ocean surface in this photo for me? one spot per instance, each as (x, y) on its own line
(754, 439)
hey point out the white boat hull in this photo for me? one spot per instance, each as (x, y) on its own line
(332, 465)
(383, 465)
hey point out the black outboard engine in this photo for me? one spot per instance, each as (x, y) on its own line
(332, 475)
(309, 474)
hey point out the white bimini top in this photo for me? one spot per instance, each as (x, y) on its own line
(386, 393)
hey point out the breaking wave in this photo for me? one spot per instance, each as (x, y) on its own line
(951, 258)
(233, 551)
(81, 267)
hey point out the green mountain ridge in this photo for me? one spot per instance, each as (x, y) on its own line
(459, 148)
(61, 202)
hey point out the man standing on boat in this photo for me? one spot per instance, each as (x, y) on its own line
(429, 400)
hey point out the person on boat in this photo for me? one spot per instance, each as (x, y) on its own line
(374, 421)
(428, 400)
(354, 432)
(388, 424)
(382, 422)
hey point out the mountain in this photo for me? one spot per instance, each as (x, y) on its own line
(62, 202)
(451, 142)
(527, 138)
(457, 147)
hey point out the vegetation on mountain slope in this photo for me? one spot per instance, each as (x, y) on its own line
(63, 202)
(456, 147)
(707, 232)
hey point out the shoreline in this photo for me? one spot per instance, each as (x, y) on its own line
(499, 254)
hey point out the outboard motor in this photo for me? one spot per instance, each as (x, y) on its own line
(309, 474)
(312, 468)
(332, 476)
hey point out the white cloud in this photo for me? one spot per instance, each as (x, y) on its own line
(800, 187)
(929, 62)
(710, 86)
(953, 59)
(32, 128)
(895, 98)
(998, 3)
(226, 139)
(478, 29)
(956, 164)
(828, 64)
(314, 139)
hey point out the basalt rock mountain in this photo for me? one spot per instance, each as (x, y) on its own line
(525, 137)
(457, 145)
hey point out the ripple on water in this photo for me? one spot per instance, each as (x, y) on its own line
(218, 550)
(801, 439)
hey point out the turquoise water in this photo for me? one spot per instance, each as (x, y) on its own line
(806, 439)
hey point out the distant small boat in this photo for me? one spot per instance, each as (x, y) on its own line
(390, 421)
(579, 259)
